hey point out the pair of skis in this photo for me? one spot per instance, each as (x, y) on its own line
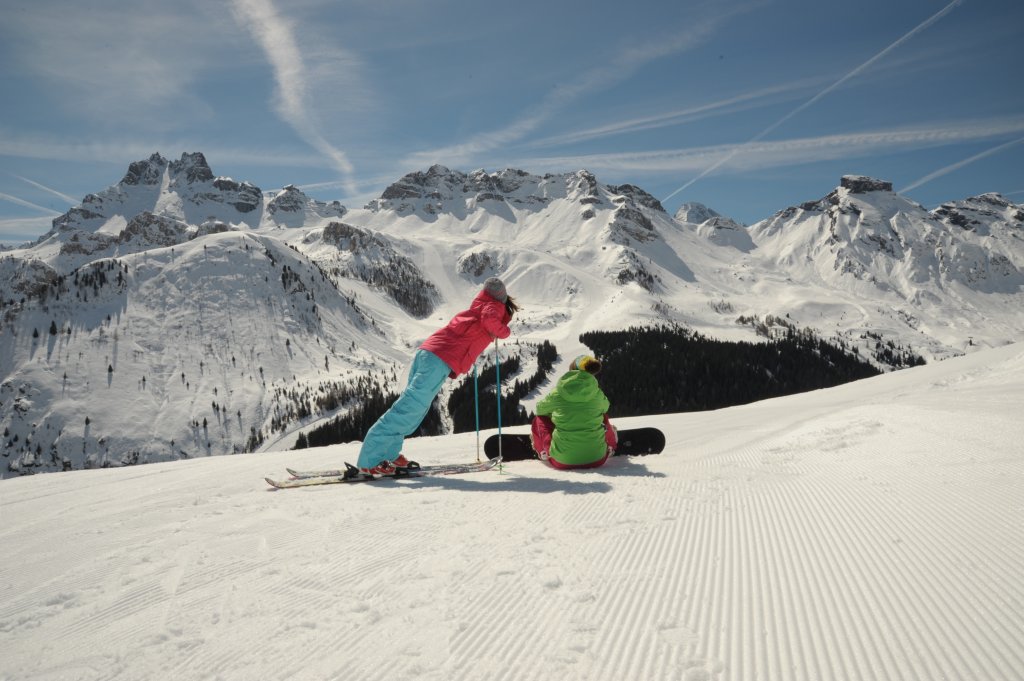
(351, 474)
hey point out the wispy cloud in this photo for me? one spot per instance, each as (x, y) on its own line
(113, 61)
(783, 153)
(70, 199)
(621, 66)
(275, 35)
(960, 164)
(22, 230)
(58, 148)
(771, 128)
(740, 102)
(27, 204)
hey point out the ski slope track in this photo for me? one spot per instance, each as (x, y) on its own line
(869, 531)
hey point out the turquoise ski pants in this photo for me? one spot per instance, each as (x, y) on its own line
(383, 442)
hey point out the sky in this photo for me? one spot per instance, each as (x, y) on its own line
(746, 106)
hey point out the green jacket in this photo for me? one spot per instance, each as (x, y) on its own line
(577, 407)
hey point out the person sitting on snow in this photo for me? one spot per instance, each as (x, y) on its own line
(571, 428)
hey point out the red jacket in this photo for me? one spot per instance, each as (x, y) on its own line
(469, 333)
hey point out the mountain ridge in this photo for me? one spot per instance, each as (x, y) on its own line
(224, 323)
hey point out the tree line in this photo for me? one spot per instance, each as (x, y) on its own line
(647, 370)
(663, 370)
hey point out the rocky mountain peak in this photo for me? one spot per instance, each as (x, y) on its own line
(637, 196)
(977, 211)
(291, 207)
(421, 184)
(861, 184)
(289, 199)
(695, 213)
(147, 172)
(192, 167)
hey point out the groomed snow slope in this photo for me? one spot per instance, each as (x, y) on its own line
(870, 531)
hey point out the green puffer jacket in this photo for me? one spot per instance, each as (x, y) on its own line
(577, 407)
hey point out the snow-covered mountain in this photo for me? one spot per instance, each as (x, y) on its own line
(951, 274)
(184, 190)
(715, 227)
(181, 314)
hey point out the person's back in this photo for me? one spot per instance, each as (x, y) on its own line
(571, 428)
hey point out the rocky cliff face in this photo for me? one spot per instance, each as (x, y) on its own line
(292, 208)
(355, 253)
(859, 184)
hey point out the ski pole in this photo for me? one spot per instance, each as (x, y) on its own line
(497, 375)
(476, 406)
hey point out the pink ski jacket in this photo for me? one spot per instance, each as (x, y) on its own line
(469, 333)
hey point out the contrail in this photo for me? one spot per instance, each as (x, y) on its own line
(70, 199)
(787, 152)
(27, 204)
(275, 36)
(920, 27)
(730, 105)
(960, 164)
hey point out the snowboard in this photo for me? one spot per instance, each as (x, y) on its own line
(632, 442)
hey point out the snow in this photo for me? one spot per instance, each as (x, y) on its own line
(205, 327)
(870, 531)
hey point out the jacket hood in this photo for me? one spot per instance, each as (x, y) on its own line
(482, 298)
(578, 386)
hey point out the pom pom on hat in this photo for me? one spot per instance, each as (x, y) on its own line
(591, 365)
(496, 288)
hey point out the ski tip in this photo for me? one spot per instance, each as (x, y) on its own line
(273, 483)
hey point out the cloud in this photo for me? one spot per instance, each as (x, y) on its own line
(275, 36)
(623, 64)
(960, 164)
(783, 153)
(115, 61)
(56, 148)
(764, 133)
(17, 231)
(740, 102)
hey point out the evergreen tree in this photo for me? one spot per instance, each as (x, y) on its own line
(667, 369)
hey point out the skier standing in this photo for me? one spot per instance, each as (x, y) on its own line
(571, 428)
(448, 352)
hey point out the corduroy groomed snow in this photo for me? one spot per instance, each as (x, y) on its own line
(496, 288)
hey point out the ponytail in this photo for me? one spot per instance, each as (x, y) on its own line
(511, 307)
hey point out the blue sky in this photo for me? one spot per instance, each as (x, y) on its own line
(746, 106)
